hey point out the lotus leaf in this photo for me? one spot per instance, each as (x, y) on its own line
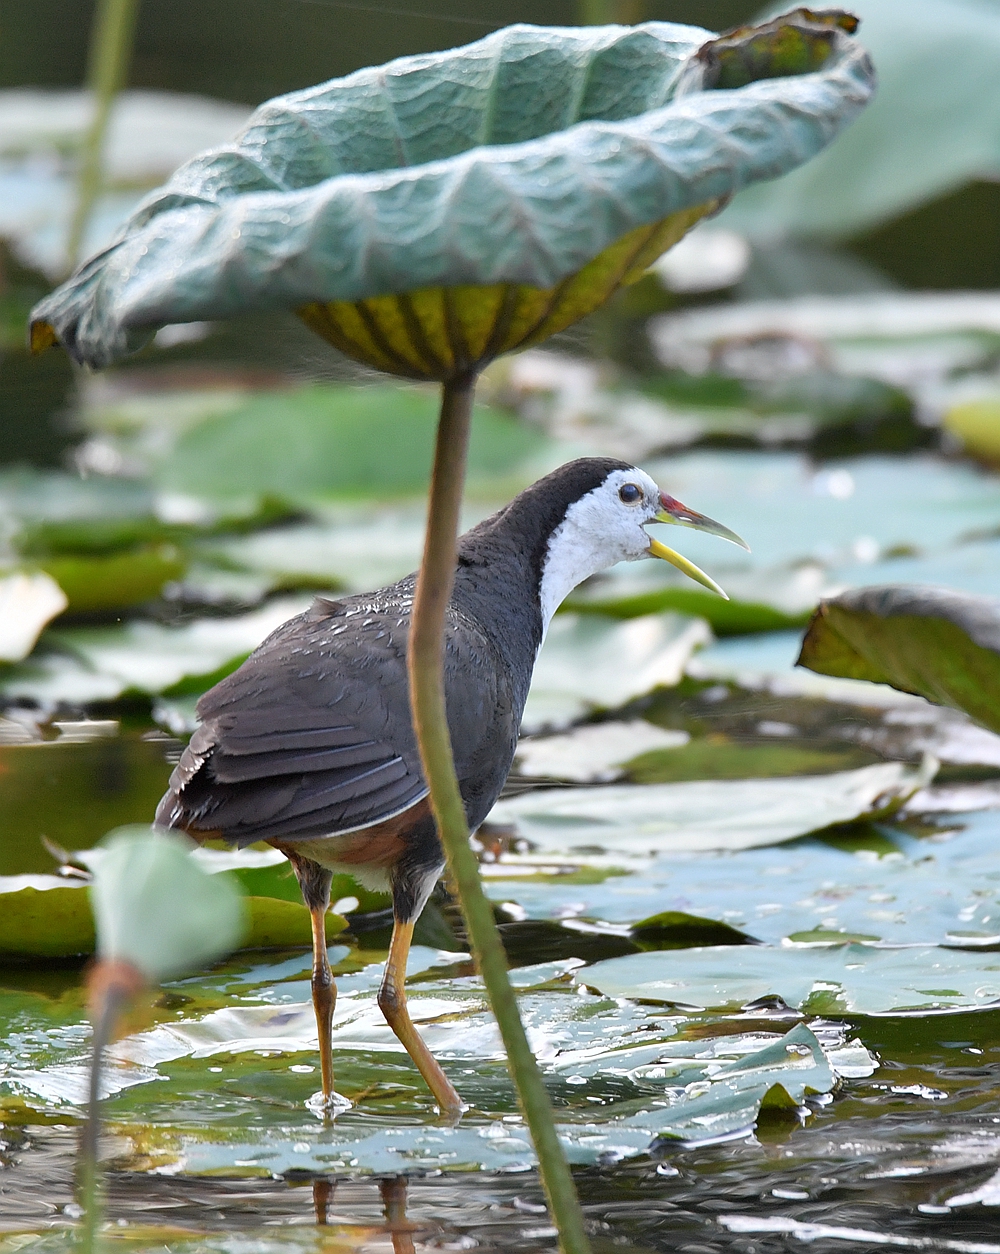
(852, 979)
(622, 1074)
(936, 643)
(871, 880)
(630, 822)
(429, 214)
(46, 917)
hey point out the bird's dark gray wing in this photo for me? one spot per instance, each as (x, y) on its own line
(311, 736)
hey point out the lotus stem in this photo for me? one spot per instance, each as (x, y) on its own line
(112, 985)
(107, 68)
(425, 659)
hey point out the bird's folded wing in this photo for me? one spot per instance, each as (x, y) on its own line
(309, 737)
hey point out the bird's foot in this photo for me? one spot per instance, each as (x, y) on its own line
(324, 1107)
(450, 1116)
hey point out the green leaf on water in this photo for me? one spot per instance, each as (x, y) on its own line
(849, 980)
(936, 643)
(714, 757)
(45, 918)
(117, 581)
(623, 823)
(339, 441)
(590, 662)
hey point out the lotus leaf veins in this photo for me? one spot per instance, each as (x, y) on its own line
(432, 213)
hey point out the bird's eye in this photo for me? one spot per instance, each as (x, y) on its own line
(629, 493)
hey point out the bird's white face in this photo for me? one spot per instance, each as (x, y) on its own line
(608, 525)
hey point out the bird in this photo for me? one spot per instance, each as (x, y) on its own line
(309, 744)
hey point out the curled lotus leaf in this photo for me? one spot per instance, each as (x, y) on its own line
(937, 643)
(432, 213)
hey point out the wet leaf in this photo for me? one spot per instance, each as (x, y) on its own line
(590, 662)
(929, 641)
(620, 1075)
(849, 980)
(622, 823)
(596, 753)
(866, 880)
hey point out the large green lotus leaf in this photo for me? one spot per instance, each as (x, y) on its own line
(931, 128)
(847, 980)
(244, 1048)
(935, 643)
(44, 916)
(456, 170)
(369, 442)
(625, 823)
(869, 880)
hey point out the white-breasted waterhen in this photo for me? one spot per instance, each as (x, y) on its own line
(309, 745)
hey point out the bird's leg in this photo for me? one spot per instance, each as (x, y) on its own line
(315, 880)
(323, 1189)
(392, 1002)
(393, 1193)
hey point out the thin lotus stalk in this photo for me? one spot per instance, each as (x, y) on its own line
(110, 54)
(425, 657)
(111, 987)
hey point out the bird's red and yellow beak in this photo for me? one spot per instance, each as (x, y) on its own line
(674, 512)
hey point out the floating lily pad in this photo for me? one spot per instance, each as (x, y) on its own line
(596, 753)
(713, 757)
(629, 822)
(246, 1037)
(116, 582)
(935, 643)
(869, 880)
(368, 442)
(99, 664)
(44, 916)
(849, 980)
(590, 662)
